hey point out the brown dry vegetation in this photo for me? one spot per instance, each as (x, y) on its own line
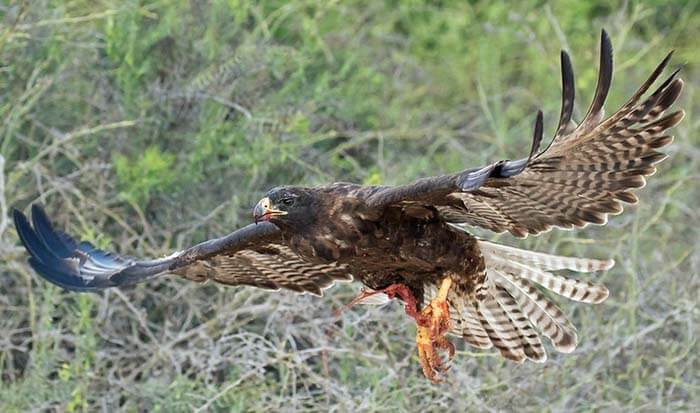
(145, 126)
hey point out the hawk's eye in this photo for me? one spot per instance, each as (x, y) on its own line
(287, 201)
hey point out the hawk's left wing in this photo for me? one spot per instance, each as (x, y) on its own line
(586, 173)
(254, 255)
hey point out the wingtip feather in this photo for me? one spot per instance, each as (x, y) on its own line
(537, 134)
(18, 216)
(62, 247)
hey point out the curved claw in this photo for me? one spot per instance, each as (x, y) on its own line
(430, 337)
(429, 347)
(430, 360)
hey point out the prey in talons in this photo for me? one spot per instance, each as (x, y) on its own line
(432, 325)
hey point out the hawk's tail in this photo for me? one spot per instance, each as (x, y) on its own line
(513, 309)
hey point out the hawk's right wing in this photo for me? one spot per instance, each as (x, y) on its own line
(253, 255)
(586, 173)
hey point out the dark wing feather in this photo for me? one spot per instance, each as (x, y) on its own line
(253, 255)
(605, 72)
(568, 94)
(272, 267)
(586, 172)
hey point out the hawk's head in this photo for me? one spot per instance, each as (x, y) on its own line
(287, 206)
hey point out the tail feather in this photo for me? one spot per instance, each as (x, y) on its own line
(517, 271)
(512, 309)
(529, 339)
(583, 291)
(470, 327)
(503, 334)
(544, 314)
(465, 319)
(543, 261)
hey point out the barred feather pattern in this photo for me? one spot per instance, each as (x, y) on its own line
(542, 261)
(271, 267)
(468, 323)
(522, 330)
(463, 315)
(588, 171)
(514, 312)
(577, 290)
(498, 325)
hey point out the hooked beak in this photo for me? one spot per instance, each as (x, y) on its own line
(263, 211)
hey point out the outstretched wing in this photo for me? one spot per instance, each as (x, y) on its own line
(271, 266)
(253, 255)
(586, 173)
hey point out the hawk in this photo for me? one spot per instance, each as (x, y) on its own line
(412, 242)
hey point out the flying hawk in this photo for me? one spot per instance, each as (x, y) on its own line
(411, 242)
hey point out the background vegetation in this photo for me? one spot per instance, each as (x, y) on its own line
(145, 126)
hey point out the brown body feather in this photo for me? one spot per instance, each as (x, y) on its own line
(411, 246)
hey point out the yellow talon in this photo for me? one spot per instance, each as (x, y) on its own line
(430, 335)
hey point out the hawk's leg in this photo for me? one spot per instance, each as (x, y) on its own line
(432, 323)
(430, 336)
(394, 290)
(409, 301)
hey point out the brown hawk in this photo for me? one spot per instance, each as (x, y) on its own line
(412, 242)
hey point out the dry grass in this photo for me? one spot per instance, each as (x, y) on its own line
(146, 127)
